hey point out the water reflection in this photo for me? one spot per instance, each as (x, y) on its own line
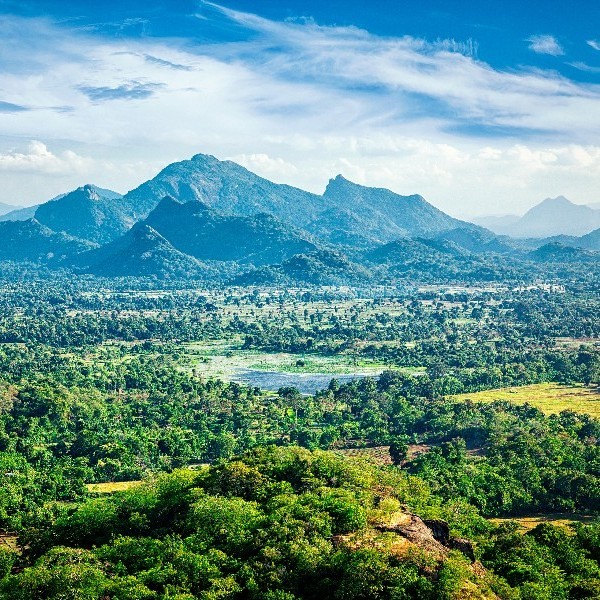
(306, 383)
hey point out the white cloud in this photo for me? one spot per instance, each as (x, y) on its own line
(545, 44)
(275, 169)
(37, 159)
(392, 112)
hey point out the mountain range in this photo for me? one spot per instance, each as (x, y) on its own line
(209, 219)
(552, 217)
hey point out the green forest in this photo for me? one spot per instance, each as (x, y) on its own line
(396, 485)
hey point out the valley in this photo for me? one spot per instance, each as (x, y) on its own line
(190, 380)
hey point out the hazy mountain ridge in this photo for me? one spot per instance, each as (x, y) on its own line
(6, 208)
(20, 214)
(551, 217)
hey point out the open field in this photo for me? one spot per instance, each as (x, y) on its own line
(557, 519)
(10, 541)
(379, 455)
(551, 398)
(225, 359)
(110, 487)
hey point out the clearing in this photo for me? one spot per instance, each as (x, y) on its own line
(550, 398)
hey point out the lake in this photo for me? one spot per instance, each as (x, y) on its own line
(306, 383)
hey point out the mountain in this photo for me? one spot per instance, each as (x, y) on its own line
(141, 252)
(321, 267)
(381, 213)
(226, 187)
(347, 213)
(478, 241)
(88, 213)
(500, 224)
(594, 205)
(557, 252)
(177, 239)
(20, 214)
(552, 217)
(196, 229)
(6, 208)
(31, 241)
(555, 216)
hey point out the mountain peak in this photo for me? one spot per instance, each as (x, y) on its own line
(167, 203)
(88, 191)
(558, 201)
(337, 183)
(205, 158)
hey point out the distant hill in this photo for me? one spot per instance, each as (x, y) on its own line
(557, 252)
(552, 217)
(20, 214)
(88, 212)
(6, 208)
(141, 252)
(322, 267)
(432, 260)
(479, 241)
(591, 241)
(195, 229)
(33, 242)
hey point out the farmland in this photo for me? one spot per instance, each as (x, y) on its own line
(550, 398)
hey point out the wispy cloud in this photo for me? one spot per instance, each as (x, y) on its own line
(594, 44)
(9, 107)
(166, 63)
(545, 44)
(127, 91)
(581, 66)
(299, 102)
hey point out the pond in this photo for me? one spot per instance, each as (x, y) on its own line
(306, 383)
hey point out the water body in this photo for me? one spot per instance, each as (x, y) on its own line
(306, 383)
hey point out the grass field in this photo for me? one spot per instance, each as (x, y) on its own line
(224, 359)
(551, 398)
(9, 541)
(379, 455)
(557, 519)
(110, 487)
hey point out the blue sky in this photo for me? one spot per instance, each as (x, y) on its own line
(481, 107)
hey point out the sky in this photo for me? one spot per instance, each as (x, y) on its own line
(481, 107)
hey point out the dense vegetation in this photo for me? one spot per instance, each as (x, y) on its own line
(103, 383)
